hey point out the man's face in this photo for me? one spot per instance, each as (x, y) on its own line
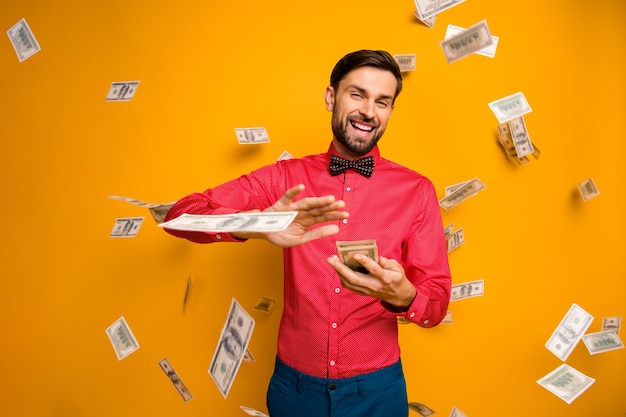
(361, 107)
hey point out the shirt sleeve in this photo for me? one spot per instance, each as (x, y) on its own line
(257, 190)
(425, 262)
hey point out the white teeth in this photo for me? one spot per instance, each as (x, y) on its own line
(362, 127)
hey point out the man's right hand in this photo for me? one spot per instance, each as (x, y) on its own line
(312, 211)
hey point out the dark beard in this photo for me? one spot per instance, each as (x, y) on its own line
(357, 147)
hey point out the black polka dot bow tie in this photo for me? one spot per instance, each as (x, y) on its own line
(364, 166)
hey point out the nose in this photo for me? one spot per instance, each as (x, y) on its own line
(368, 109)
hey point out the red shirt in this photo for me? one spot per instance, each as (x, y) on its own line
(327, 330)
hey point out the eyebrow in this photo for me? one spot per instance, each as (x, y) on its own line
(364, 91)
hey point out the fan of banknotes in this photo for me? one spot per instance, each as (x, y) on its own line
(347, 250)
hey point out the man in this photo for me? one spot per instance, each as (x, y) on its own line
(338, 352)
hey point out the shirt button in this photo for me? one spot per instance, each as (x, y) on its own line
(332, 363)
(218, 236)
(425, 322)
(348, 188)
(334, 325)
(337, 290)
(345, 221)
(413, 315)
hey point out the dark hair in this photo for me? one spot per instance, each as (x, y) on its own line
(366, 57)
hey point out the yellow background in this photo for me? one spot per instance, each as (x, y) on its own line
(207, 67)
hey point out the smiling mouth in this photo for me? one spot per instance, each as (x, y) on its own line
(362, 127)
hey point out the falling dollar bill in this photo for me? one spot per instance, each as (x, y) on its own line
(252, 135)
(447, 231)
(455, 240)
(429, 21)
(176, 381)
(126, 226)
(519, 134)
(428, 8)
(467, 290)
(510, 107)
(236, 222)
(347, 250)
(571, 329)
(230, 349)
(122, 91)
(489, 51)
(285, 155)
(264, 304)
(506, 141)
(421, 409)
(447, 319)
(612, 323)
(157, 210)
(566, 383)
(461, 194)
(253, 412)
(588, 189)
(122, 338)
(456, 413)
(603, 341)
(467, 42)
(23, 40)
(406, 62)
(187, 292)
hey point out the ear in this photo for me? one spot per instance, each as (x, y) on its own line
(329, 98)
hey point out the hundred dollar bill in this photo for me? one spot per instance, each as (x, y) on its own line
(236, 222)
(231, 347)
(447, 319)
(252, 135)
(284, 155)
(126, 226)
(187, 292)
(421, 409)
(253, 412)
(519, 134)
(429, 21)
(602, 342)
(489, 51)
(452, 188)
(461, 194)
(588, 189)
(571, 329)
(406, 62)
(506, 141)
(510, 107)
(456, 413)
(566, 383)
(122, 91)
(122, 338)
(347, 250)
(467, 42)
(173, 376)
(447, 231)
(455, 240)
(264, 304)
(428, 8)
(612, 323)
(467, 290)
(23, 40)
(157, 210)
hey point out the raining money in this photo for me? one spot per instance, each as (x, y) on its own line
(612, 323)
(347, 250)
(566, 383)
(173, 376)
(429, 8)
(467, 290)
(421, 409)
(252, 135)
(122, 338)
(506, 141)
(456, 413)
(237, 222)
(510, 107)
(264, 304)
(467, 42)
(122, 91)
(429, 21)
(489, 51)
(284, 155)
(230, 349)
(23, 40)
(187, 292)
(461, 194)
(571, 329)
(519, 134)
(602, 342)
(406, 62)
(588, 189)
(253, 412)
(157, 210)
(126, 227)
(455, 240)
(447, 319)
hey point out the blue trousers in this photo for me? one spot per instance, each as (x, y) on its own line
(380, 393)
